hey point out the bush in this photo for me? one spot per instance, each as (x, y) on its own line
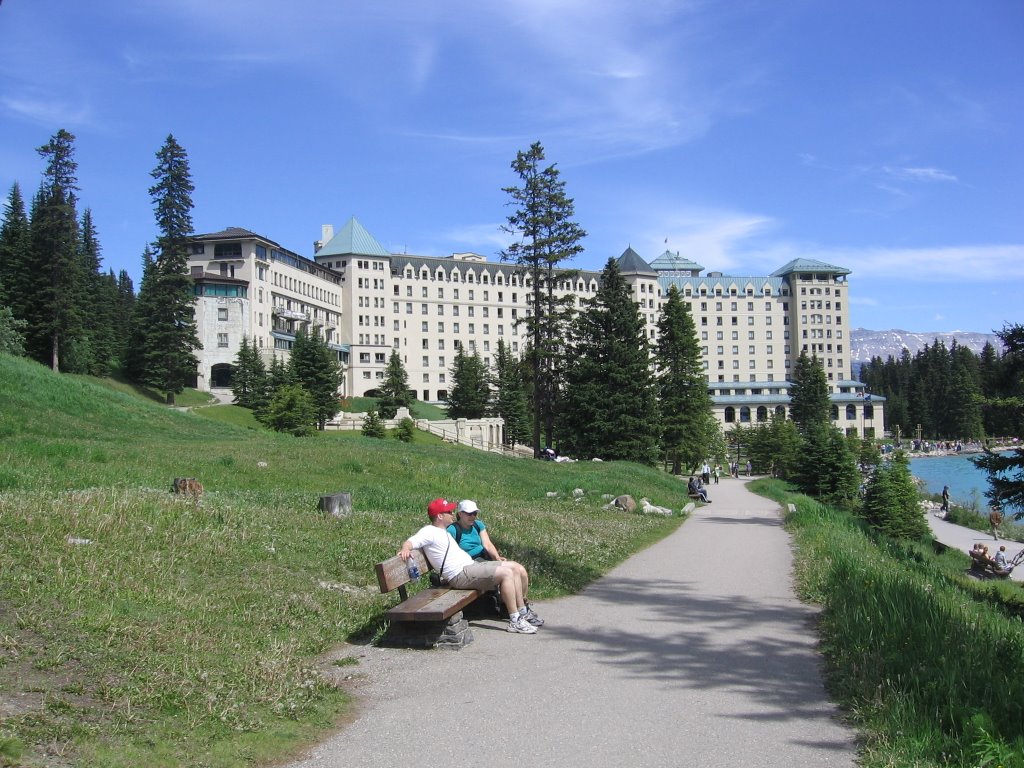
(291, 410)
(406, 431)
(373, 426)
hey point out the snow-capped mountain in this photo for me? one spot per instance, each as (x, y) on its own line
(868, 344)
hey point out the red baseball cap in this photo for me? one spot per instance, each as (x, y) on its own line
(438, 507)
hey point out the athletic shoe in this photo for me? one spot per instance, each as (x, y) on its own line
(532, 617)
(521, 626)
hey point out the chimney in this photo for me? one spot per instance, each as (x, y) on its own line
(326, 235)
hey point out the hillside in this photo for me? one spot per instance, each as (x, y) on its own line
(140, 628)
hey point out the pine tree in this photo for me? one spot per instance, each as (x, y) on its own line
(291, 410)
(688, 423)
(470, 395)
(774, 447)
(809, 404)
(315, 367)
(510, 397)
(169, 362)
(891, 501)
(52, 291)
(827, 468)
(394, 393)
(15, 253)
(249, 382)
(100, 304)
(373, 426)
(546, 236)
(142, 309)
(610, 408)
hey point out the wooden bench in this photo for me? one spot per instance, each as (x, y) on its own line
(430, 618)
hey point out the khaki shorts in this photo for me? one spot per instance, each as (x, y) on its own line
(481, 576)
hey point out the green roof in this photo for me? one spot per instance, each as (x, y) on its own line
(674, 263)
(353, 240)
(809, 265)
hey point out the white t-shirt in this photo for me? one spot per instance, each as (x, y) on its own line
(435, 542)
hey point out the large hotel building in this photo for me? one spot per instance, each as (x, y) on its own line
(366, 301)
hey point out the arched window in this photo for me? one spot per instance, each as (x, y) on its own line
(762, 413)
(730, 415)
(869, 411)
(744, 414)
(835, 413)
(851, 413)
(780, 411)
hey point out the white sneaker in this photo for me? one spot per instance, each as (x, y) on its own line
(521, 626)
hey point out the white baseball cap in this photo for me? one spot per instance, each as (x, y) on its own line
(468, 506)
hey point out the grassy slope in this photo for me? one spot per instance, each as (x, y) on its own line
(185, 635)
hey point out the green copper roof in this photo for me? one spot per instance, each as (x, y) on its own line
(630, 263)
(353, 240)
(809, 265)
(674, 263)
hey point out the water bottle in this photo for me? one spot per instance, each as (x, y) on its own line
(414, 569)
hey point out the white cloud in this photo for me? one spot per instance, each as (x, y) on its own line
(919, 174)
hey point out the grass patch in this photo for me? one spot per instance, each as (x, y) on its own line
(187, 634)
(419, 410)
(915, 653)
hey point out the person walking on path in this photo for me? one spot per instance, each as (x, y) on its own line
(945, 500)
(669, 660)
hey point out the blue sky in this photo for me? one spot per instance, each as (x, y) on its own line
(884, 137)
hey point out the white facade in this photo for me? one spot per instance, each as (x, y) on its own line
(368, 301)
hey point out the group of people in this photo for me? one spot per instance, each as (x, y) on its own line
(998, 561)
(458, 547)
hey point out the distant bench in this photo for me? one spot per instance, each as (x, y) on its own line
(430, 618)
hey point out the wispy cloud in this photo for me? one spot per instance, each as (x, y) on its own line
(919, 174)
(47, 111)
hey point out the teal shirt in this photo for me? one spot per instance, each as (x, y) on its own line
(470, 542)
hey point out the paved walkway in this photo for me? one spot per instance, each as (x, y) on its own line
(671, 659)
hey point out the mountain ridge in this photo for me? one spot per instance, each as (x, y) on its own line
(867, 344)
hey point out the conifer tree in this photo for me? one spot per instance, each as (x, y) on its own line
(52, 292)
(891, 501)
(373, 426)
(470, 395)
(510, 397)
(291, 410)
(315, 367)
(394, 392)
(546, 236)
(15, 253)
(827, 468)
(12, 338)
(610, 408)
(249, 382)
(688, 423)
(100, 304)
(142, 308)
(169, 334)
(809, 404)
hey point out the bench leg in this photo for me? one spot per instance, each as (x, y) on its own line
(454, 634)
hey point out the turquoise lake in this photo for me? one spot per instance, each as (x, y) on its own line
(966, 482)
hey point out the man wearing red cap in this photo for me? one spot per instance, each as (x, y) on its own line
(458, 569)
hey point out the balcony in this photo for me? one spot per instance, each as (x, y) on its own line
(291, 314)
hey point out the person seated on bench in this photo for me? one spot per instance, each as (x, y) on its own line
(694, 488)
(1000, 559)
(471, 534)
(458, 570)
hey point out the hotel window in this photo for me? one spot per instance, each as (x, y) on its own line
(222, 313)
(222, 339)
(423, 327)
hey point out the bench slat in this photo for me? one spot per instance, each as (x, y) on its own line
(434, 604)
(394, 572)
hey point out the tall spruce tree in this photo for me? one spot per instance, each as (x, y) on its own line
(610, 407)
(470, 395)
(315, 367)
(510, 398)
(169, 330)
(249, 380)
(809, 405)
(98, 355)
(394, 392)
(546, 237)
(688, 423)
(53, 290)
(15, 252)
